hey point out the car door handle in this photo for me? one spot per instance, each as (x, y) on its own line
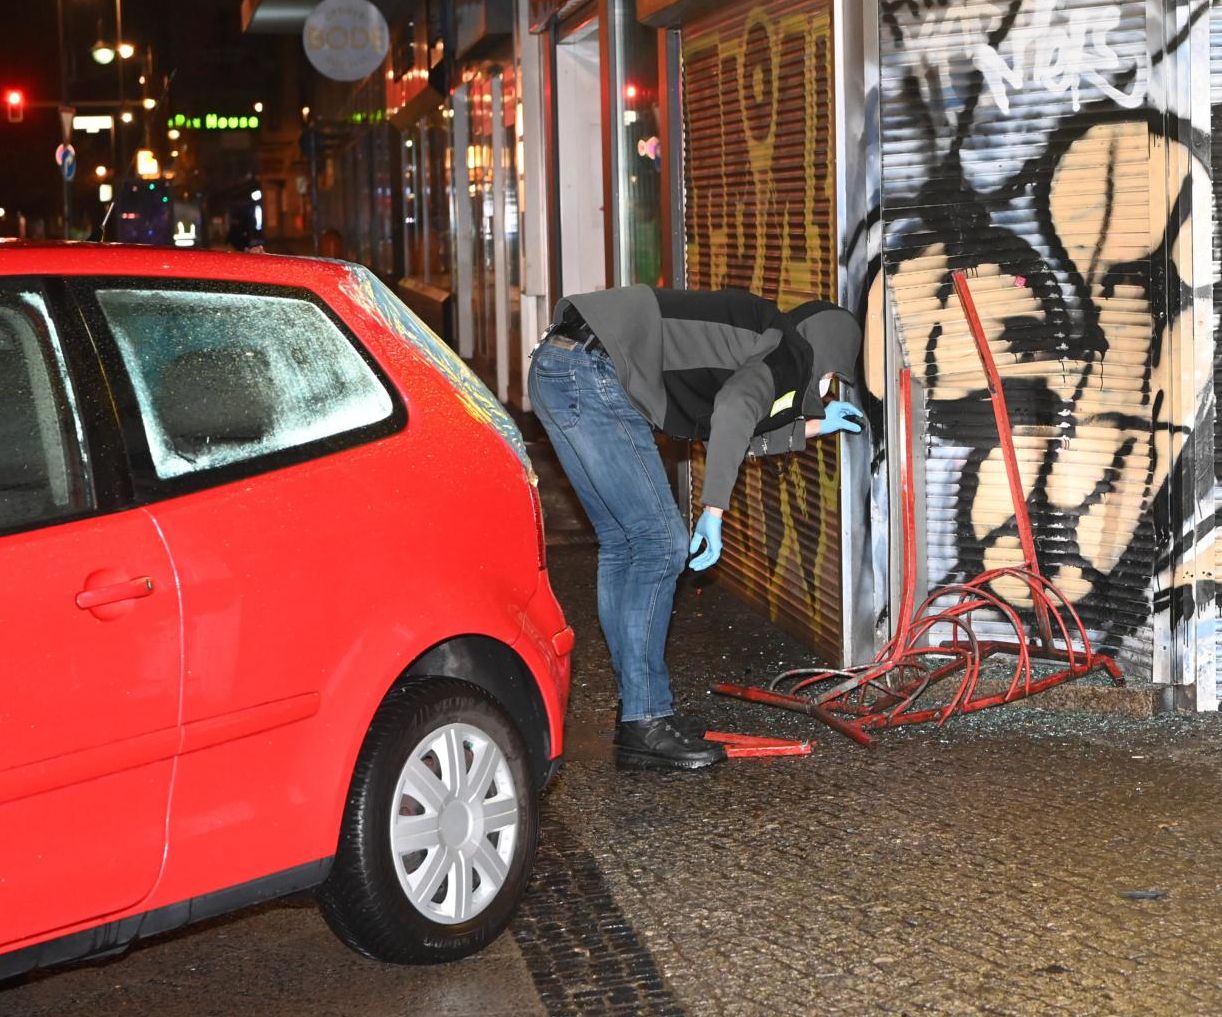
(100, 596)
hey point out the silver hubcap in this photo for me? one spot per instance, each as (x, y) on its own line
(454, 823)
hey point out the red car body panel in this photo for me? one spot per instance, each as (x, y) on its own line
(285, 605)
(64, 784)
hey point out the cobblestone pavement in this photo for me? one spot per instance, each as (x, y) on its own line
(980, 869)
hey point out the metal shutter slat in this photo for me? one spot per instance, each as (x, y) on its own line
(760, 214)
(1215, 100)
(1087, 444)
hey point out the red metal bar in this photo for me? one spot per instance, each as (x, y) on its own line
(1001, 415)
(741, 746)
(798, 705)
(907, 510)
(759, 751)
(734, 738)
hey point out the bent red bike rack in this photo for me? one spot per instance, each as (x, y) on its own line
(907, 682)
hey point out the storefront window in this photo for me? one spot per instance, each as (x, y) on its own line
(426, 205)
(413, 185)
(382, 260)
(638, 134)
(510, 126)
(480, 176)
(492, 186)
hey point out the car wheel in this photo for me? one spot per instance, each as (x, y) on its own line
(440, 827)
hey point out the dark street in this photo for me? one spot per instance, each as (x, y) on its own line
(1019, 862)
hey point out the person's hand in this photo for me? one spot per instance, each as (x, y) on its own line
(708, 532)
(839, 416)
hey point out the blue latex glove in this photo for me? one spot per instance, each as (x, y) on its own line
(838, 416)
(708, 532)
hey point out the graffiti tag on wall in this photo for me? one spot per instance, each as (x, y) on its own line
(1054, 49)
(760, 169)
(1049, 201)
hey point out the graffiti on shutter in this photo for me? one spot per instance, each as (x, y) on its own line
(1215, 102)
(760, 214)
(1016, 142)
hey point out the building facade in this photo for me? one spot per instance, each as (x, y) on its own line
(1060, 151)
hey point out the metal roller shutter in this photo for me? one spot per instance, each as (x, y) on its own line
(1002, 154)
(760, 214)
(1215, 101)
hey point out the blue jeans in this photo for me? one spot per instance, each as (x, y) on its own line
(608, 451)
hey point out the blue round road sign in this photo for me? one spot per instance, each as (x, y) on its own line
(65, 157)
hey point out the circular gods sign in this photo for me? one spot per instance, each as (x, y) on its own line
(346, 40)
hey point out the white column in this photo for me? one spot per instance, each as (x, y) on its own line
(536, 302)
(1185, 624)
(866, 508)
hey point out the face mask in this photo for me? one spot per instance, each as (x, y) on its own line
(812, 402)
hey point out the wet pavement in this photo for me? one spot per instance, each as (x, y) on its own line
(1017, 862)
(995, 866)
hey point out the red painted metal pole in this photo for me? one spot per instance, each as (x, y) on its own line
(1022, 517)
(740, 746)
(798, 705)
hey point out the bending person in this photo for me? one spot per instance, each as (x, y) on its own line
(725, 367)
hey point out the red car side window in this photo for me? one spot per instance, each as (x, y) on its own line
(226, 377)
(42, 471)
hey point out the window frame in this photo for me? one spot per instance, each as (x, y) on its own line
(94, 438)
(147, 486)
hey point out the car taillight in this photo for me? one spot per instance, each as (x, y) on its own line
(536, 505)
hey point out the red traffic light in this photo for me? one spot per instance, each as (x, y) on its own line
(14, 103)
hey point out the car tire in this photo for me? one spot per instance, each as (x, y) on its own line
(430, 864)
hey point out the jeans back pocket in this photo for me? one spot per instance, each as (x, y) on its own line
(553, 389)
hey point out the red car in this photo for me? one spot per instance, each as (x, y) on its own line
(275, 610)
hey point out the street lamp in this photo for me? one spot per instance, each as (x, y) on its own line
(104, 53)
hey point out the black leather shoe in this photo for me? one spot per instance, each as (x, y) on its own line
(659, 745)
(691, 726)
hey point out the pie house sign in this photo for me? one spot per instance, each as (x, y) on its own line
(346, 40)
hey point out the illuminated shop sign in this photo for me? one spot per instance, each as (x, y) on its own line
(213, 122)
(184, 234)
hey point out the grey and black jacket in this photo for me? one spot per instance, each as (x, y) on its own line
(725, 367)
